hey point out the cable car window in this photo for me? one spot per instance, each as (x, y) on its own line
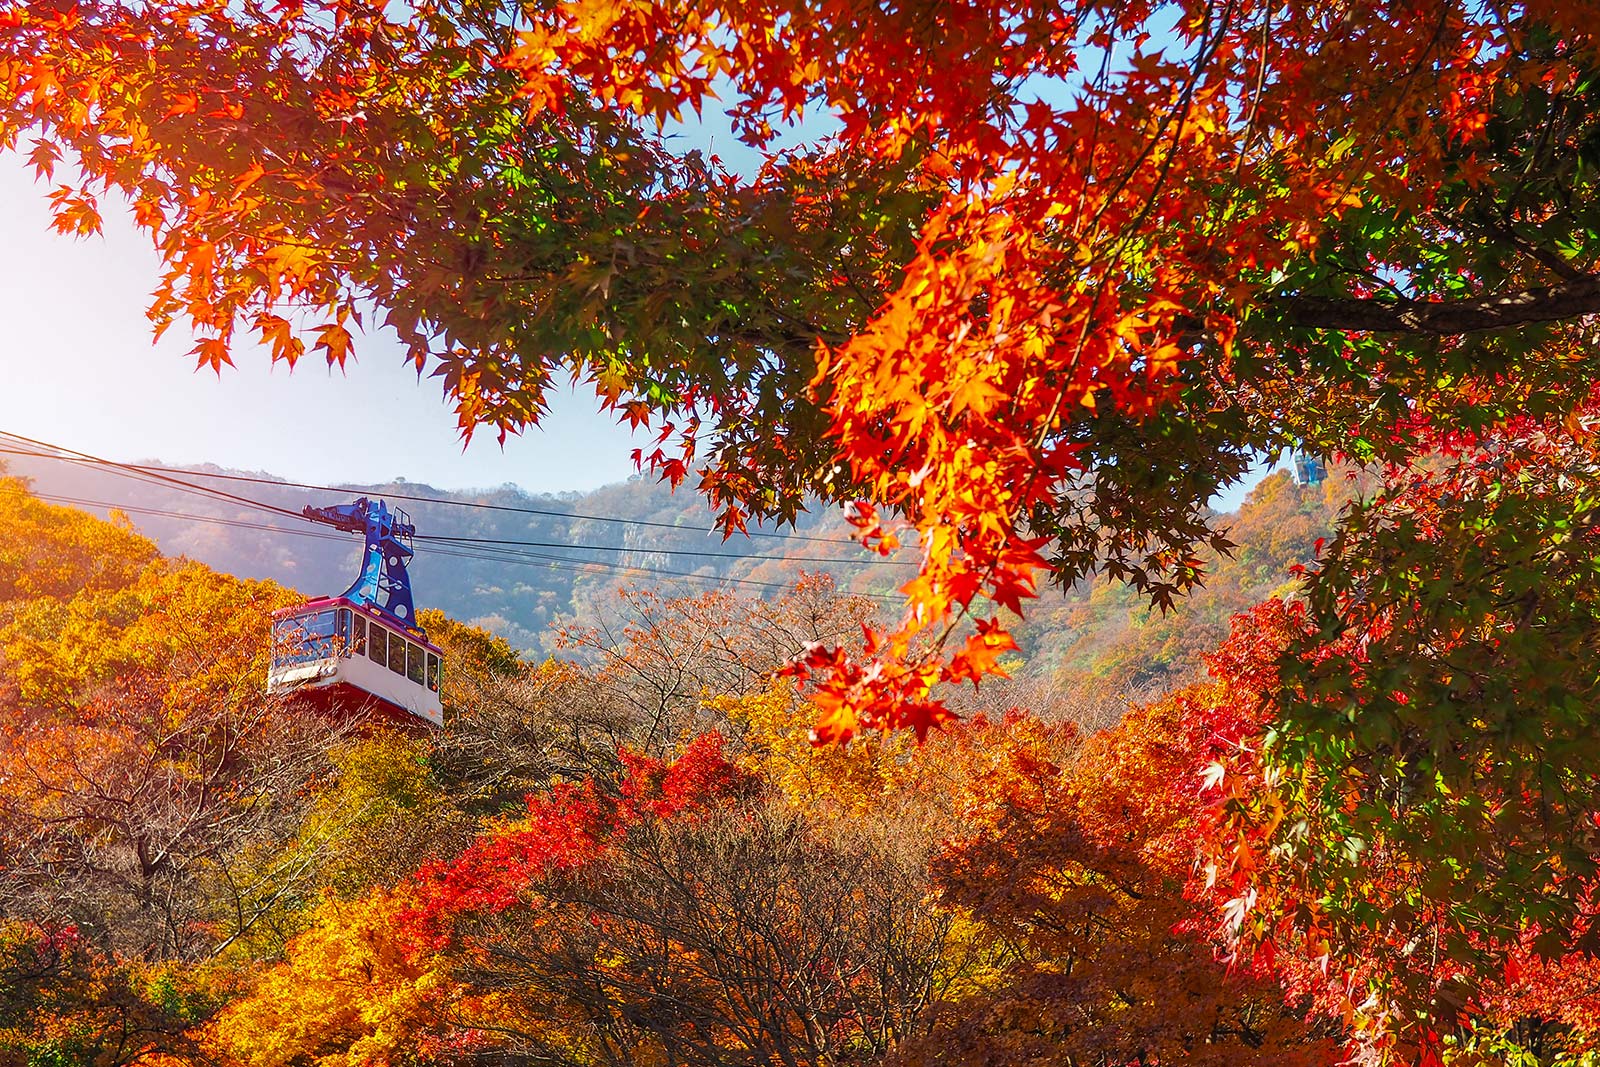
(378, 645)
(285, 639)
(302, 638)
(343, 630)
(433, 672)
(397, 654)
(414, 665)
(320, 627)
(358, 636)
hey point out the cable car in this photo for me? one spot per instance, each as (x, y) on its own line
(362, 647)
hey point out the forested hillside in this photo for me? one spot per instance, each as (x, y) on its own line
(1097, 638)
(516, 591)
(639, 861)
(1106, 633)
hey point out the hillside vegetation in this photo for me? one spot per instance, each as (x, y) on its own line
(631, 857)
(638, 862)
(1097, 637)
(517, 592)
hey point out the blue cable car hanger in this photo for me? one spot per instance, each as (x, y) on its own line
(383, 583)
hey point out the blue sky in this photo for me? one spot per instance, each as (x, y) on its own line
(77, 368)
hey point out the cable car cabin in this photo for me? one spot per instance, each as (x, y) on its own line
(336, 644)
(362, 646)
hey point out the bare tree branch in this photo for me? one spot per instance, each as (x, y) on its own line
(1447, 318)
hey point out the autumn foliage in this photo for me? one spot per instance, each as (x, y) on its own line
(636, 855)
(1024, 284)
(1036, 308)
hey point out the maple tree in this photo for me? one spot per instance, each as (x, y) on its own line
(388, 808)
(1040, 306)
(681, 919)
(63, 1001)
(1397, 870)
(665, 655)
(57, 553)
(1078, 859)
(1054, 275)
(144, 769)
(353, 990)
(870, 778)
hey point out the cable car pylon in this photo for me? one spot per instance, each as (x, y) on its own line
(364, 645)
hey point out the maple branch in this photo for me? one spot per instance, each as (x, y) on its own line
(1445, 318)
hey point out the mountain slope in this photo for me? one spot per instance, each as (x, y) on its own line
(515, 590)
(1097, 636)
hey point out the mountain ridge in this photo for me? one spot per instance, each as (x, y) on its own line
(580, 547)
(583, 544)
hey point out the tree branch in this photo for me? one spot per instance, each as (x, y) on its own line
(1446, 318)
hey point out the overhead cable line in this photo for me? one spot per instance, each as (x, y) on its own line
(480, 505)
(146, 472)
(111, 463)
(516, 543)
(535, 559)
(107, 467)
(211, 520)
(526, 559)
